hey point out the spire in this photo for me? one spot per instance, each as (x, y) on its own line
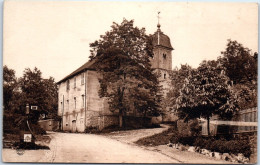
(158, 25)
(159, 38)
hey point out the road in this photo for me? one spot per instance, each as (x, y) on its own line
(88, 148)
(115, 147)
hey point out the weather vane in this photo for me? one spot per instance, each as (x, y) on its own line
(158, 16)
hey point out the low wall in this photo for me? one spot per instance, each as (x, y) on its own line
(49, 125)
(137, 122)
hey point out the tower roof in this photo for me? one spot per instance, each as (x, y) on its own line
(160, 39)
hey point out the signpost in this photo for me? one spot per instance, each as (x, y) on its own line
(26, 136)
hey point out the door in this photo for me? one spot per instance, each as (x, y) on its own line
(74, 126)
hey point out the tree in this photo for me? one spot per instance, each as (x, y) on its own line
(241, 67)
(177, 77)
(206, 92)
(247, 98)
(9, 85)
(128, 82)
(239, 64)
(38, 91)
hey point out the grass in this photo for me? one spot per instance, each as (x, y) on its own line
(114, 128)
(158, 139)
(13, 141)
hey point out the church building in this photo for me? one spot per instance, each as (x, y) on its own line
(79, 104)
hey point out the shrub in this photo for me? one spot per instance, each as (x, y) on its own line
(224, 146)
(175, 138)
(92, 129)
(194, 127)
(187, 140)
(36, 129)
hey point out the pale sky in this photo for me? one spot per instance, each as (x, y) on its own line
(54, 36)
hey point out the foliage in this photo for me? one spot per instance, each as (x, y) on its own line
(177, 77)
(11, 97)
(224, 146)
(127, 79)
(195, 128)
(247, 98)
(31, 89)
(206, 92)
(241, 67)
(9, 86)
(39, 91)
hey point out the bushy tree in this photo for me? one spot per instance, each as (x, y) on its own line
(9, 86)
(31, 89)
(246, 97)
(38, 91)
(177, 77)
(122, 58)
(206, 92)
(240, 65)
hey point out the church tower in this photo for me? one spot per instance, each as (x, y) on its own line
(162, 59)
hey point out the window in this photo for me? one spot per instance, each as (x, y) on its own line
(83, 101)
(164, 76)
(75, 82)
(82, 78)
(164, 56)
(75, 102)
(68, 84)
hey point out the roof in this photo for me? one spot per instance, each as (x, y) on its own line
(87, 66)
(163, 40)
(160, 39)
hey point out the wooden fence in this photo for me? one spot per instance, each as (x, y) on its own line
(243, 121)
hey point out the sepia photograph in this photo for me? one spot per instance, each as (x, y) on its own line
(130, 82)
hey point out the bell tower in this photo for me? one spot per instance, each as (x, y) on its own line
(162, 59)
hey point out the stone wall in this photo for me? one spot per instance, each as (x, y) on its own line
(97, 114)
(108, 120)
(137, 122)
(159, 61)
(49, 125)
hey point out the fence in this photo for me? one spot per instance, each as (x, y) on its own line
(248, 115)
(243, 121)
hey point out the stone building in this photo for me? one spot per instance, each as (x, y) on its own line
(162, 60)
(79, 103)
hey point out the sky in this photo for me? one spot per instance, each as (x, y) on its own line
(54, 36)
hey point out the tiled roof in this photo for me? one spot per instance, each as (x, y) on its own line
(164, 40)
(88, 65)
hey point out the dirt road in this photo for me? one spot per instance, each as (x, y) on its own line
(86, 148)
(186, 157)
(116, 147)
(132, 136)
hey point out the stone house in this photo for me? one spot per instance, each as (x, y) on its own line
(79, 104)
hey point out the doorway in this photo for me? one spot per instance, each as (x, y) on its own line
(74, 128)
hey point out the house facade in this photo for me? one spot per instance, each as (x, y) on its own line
(79, 103)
